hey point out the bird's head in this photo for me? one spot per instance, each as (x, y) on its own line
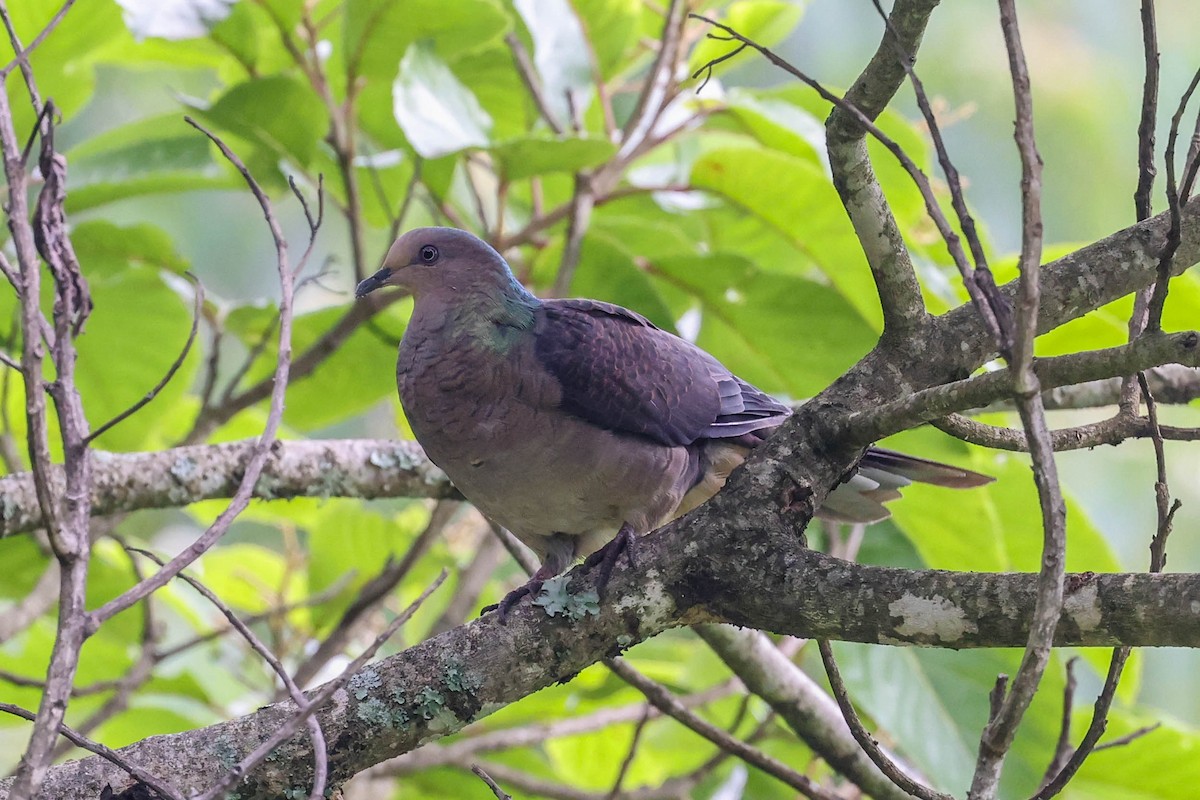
(428, 259)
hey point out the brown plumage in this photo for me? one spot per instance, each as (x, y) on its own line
(568, 421)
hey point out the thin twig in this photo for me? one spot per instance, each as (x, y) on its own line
(864, 738)
(627, 762)
(1002, 726)
(319, 698)
(22, 54)
(989, 305)
(1062, 748)
(670, 705)
(373, 592)
(316, 735)
(262, 448)
(107, 753)
(529, 77)
(1162, 491)
(582, 203)
(197, 305)
(491, 784)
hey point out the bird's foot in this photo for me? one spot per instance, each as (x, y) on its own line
(624, 542)
(530, 587)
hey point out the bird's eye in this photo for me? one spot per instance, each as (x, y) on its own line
(429, 254)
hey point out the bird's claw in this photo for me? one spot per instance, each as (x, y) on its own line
(531, 588)
(624, 542)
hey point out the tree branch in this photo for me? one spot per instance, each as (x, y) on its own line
(436, 687)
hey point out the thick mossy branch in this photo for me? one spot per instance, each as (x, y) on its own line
(440, 685)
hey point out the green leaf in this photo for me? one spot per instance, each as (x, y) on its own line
(1157, 766)
(536, 155)
(780, 125)
(560, 55)
(1006, 529)
(612, 28)
(752, 321)
(110, 247)
(116, 366)
(438, 114)
(347, 539)
(796, 198)
(933, 705)
(64, 62)
(355, 376)
(173, 19)
(246, 576)
(767, 22)
(279, 113)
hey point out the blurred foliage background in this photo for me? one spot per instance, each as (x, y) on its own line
(728, 231)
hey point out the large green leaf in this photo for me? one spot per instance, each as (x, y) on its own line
(123, 355)
(796, 197)
(376, 32)
(278, 113)
(765, 21)
(64, 62)
(560, 55)
(612, 28)
(355, 376)
(527, 156)
(438, 114)
(753, 321)
(1159, 766)
(1004, 530)
(932, 705)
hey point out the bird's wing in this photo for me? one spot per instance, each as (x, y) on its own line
(617, 370)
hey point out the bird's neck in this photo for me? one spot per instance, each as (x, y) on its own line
(491, 317)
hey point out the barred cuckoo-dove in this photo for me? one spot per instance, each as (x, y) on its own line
(576, 423)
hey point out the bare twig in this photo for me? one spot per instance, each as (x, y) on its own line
(316, 736)
(197, 305)
(375, 591)
(1062, 748)
(491, 784)
(1002, 726)
(627, 762)
(223, 784)
(864, 738)
(582, 202)
(68, 513)
(1128, 738)
(669, 704)
(977, 281)
(262, 448)
(108, 754)
(530, 78)
(1142, 199)
(654, 95)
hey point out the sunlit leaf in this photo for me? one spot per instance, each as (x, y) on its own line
(529, 156)
(278, 112)
(438, 114)
(560, 54)
(173, 19)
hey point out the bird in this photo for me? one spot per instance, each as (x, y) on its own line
(577, 424)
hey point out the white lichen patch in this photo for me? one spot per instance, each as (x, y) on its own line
(930, 618)
(1083, 607)
(653, 604)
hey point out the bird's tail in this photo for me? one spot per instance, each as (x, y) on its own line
(880, 476)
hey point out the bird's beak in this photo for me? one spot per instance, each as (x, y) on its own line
(374, 282)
